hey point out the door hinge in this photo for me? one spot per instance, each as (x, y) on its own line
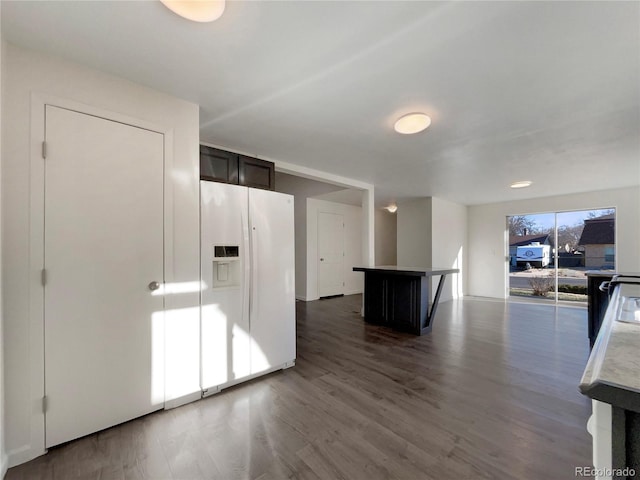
(44, 150)
(44, 404)
(343, 284)
(43, 277)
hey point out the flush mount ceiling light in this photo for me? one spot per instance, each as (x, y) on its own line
(391, 208)
(196, 10)
(522, 184)
(412, 123)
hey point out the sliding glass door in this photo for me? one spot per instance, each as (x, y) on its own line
(550, 253)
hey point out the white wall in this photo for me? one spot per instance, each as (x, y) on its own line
(27, 76)
(353, 226)
(414, 233)
(386, 237)
(369, 229)
(301, 189)
(449, 244)
(3, 453)
(368, 200)
(487, 233)
(432, 233)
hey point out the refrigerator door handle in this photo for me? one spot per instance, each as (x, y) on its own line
(253, 295)
(248, 268)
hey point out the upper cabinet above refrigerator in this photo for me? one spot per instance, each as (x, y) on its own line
(218, 165)
(253, 172)
(228, 167)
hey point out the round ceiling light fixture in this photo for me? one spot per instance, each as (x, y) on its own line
(412, 123)
(392, 208)
(196, 10)
(521, 184)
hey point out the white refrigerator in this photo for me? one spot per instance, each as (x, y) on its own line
(248, 284)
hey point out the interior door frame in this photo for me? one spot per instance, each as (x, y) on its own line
(36, 248)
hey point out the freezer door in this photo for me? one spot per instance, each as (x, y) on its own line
(225, 337)
(272, 298)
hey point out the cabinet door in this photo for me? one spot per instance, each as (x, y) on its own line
(253, 172)
(376, 303)
(404, 303)
(218, 165)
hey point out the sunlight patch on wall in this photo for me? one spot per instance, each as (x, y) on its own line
(157, 358)
(181, 352)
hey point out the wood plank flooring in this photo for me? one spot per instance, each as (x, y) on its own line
(491, 393)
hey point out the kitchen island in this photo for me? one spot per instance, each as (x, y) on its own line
(400, 297)
(611, 378)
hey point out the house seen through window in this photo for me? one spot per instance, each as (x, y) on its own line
(550, 253)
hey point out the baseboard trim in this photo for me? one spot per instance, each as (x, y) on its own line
(178, 402)
(307, 299)
(23, 454)
(4, 465)
(485, 298)
(353, 292)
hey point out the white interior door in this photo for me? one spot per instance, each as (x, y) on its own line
(330, 254)
(104, 332)
(273, 315)
(225, 350)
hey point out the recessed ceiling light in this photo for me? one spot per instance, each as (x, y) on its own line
(392, 208)
(196, 10)
(412, 123)
(522, 184)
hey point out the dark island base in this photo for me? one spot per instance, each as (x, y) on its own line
(401, 299)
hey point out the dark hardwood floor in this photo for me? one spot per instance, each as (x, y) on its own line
(490, 393)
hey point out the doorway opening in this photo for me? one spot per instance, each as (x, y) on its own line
(330, 236)
(550, 253)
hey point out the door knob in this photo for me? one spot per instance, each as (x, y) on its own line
(154, 286)
(322, 259)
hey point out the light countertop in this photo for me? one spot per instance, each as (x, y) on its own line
(612, 373)
(400, 270)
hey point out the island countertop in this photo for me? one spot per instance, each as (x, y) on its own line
(612, 372)
(412, 271)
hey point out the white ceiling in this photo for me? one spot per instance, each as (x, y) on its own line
(545, 91)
